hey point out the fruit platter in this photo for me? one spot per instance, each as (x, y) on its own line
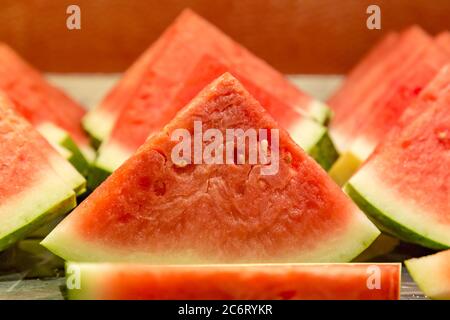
(204, 173)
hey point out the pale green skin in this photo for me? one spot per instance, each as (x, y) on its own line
(389, 224)
(53, 211)
(76, 158)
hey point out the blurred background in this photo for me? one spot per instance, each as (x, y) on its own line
(295, 36)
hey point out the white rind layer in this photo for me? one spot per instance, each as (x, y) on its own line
(111, 156)
(319, 111)
(65, 242)
(432, 274)
(338, 140)
(23, 208)
(362, 148)
(306, 133)
(67, 172)
(98, 123)
(393, 206)
(88, 153)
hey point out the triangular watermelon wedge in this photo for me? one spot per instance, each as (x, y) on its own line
(346, 281)
(374, 57)
(62, 167)
(31, 192)
(43, 105)
(431, 273)
(159, 210)
(405, 184)
(175, 53)
(387, 109)
(142, 119)
(357, 104)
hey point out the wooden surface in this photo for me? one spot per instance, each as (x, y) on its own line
(295, 36)
(88, 89)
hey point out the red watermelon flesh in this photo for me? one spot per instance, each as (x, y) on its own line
(358, 106)
(443, 40)
(405, 183)
(36, 99)
(351, 281)
(372, 58)
(147, 120)
(399, 96)
(23, 129)
(30, 189)
(180, 49)
(153, 210)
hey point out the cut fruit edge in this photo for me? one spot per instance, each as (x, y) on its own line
(90, 278)
(98, 124)
(361, 232)
(58, 138)
(398, 217)
(427, 273)
(42, 203)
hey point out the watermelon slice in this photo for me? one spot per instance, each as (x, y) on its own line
(126, 138)
(360, 100)
(405, 184)
(63, 168)
(388, 108)
(384, 47)
(31, 192)
(350, 281)
(443, 40)
(174, 55)
(42, 104)
(432, 274)
(156, 210)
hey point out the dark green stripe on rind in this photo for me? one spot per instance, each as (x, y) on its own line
(390, 224)
(96, 176)
(324, 152)
(63, 207)
(77, 159)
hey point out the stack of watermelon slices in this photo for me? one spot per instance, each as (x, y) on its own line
(142, 102)
(158, 211)
(48, 109)
(378, 99)
(36, 183)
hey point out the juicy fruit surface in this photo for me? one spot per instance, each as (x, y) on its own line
(413, 161)
(432, 274)
(339, 98)
(36, 99)
(216, 213)
(173, 62)
(23, 133)
(24, 170)
(365, 97)
(443, 40)
(236, 282)
(399, 96)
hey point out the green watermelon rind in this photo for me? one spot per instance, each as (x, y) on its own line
(49, 214)
(98, 124)
(96, 176)
(57, 136)
(389, 222)
(319, 112)
(324, 152)
(420, 270)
